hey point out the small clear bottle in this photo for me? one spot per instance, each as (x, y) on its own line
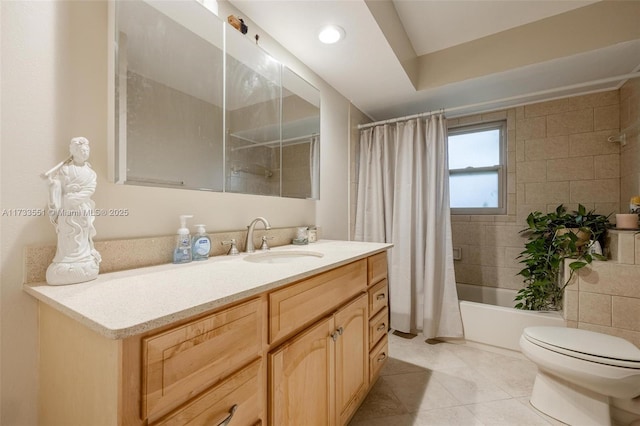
(182, 252)
(201, 245)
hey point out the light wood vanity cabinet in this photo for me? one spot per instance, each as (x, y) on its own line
(306, 353)
(378, 292)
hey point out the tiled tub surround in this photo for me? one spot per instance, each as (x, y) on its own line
(557, 153)
(122, 304)
(605, 296)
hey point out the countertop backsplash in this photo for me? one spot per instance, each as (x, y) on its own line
(120, 255)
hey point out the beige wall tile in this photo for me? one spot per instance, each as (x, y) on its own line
(543, 149)
(625, 313)
(570, 169)
(546, 108)
(494, 116)
(594, 143)
(594, 308)
(509, 278)
(511, 140)
(610, 278)
(531, 171)
(470, 119)
(511, 183)
(607, 166)
(504, 236)
(570, 308)
(622, 247)
(546, 192)
(604, 190)
(594, 100)
(531, 128)
(606, 117)
(607, 209)
(469, 274)
(637, 249)
(579, 121)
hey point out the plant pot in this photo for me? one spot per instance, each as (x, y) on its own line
(627, 221)
(583, 236)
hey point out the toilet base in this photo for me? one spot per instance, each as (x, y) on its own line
(569, 403)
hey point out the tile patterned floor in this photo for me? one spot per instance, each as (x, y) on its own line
(450, 384)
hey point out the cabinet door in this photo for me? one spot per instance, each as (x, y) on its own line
(352, 357)
(301, 378)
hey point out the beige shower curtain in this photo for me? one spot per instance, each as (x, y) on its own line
(403, 198)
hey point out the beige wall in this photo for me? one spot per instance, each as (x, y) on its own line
(558, 153)
(54, 87)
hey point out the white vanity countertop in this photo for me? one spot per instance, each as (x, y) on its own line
(122, 304)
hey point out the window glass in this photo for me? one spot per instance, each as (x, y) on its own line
(474, 189)
(476, 169)
(477, 149)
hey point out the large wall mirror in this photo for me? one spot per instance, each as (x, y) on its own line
(197, 105)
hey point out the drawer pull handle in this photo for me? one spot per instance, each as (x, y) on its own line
(381, 327)
(227, 419)
(380, 296)
(334, 335)
(340, 330)
(382, 357)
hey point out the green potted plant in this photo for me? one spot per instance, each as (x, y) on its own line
(554, 237)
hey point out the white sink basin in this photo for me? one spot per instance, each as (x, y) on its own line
(282, 256)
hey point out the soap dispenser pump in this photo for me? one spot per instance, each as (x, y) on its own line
(182, 252)
(201, 244)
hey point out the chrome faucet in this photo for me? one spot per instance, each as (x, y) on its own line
(249, 247)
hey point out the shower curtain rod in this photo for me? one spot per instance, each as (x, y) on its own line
(498, 101)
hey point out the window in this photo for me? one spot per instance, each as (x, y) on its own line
(476, 169)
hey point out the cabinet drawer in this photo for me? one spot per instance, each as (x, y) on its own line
(301, 304)
(239, 397)
(377, 267)
(180, 363)
(378, 327)
(377, 358)
(378, 295)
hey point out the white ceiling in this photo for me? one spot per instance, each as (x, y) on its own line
(365, 68)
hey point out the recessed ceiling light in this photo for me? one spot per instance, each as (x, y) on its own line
(331, 34)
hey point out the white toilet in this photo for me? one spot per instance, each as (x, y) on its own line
(579, 371)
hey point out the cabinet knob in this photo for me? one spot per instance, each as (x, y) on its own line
(340, 330)
(381, 327)
(382, 357)
(334, 335)
(227, 419)
(380, 296)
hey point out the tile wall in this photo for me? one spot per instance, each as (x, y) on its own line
(605, 296)
(558, 153)
(630, 153)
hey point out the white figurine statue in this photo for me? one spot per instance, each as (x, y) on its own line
(71, 211)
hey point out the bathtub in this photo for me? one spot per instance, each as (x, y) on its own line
(488, 316)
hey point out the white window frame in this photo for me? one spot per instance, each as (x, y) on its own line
(500, 168)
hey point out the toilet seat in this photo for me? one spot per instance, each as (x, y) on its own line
(585, 345)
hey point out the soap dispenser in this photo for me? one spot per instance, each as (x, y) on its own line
(201, 244)
(182, 252)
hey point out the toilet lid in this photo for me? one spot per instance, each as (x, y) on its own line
(586, 345)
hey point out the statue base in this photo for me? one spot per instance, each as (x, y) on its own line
(72, 273)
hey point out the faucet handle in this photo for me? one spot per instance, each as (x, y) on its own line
(265, 246)
(234, 249)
